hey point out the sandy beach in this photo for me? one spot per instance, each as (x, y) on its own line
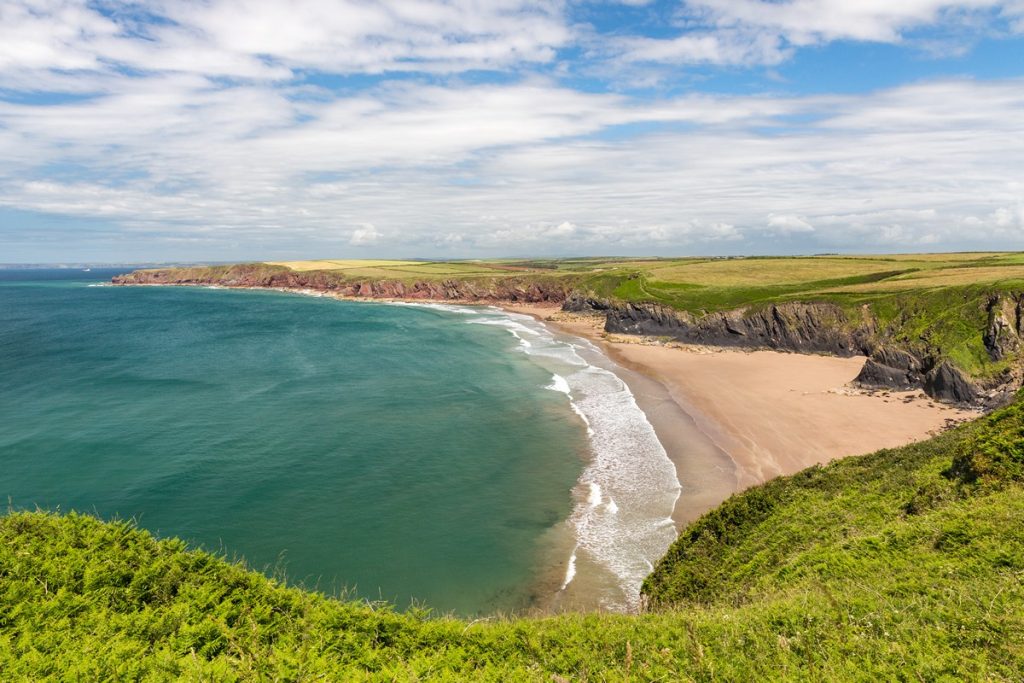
(730, 419)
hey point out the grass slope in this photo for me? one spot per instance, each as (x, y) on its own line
(906, 564)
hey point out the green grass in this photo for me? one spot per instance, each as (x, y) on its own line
(906, 564)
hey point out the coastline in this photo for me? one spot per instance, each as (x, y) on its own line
(727, 419)
(730, 419)
(622, 520)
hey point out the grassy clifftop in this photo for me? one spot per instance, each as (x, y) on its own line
(906, 564)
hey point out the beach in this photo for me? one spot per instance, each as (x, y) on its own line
(730, 419)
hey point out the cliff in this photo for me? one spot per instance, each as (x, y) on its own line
(512, 288)
(896, 360)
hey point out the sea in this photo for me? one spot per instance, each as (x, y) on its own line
(458, 458)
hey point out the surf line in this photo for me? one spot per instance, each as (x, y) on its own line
(627, 491)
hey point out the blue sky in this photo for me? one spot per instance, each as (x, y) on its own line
(259, 129)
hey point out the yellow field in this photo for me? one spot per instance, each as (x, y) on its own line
(754, 272)
(929, 270)
(343, 264)
(405, 270)
(941, 277)
(944, 258)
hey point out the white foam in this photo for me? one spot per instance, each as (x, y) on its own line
(632, 470)
(628, 468)
(570, 570)
(560, 384)
(582, 416)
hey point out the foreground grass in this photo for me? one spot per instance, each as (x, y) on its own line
(907, 564)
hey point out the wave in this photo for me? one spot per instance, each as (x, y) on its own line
(570, 569)
(628, 490)
(559, 384)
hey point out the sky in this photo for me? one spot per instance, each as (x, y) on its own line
(229, 130)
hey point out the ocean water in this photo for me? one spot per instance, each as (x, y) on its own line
(453, 456)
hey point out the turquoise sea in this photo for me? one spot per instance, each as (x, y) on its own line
(393, 450)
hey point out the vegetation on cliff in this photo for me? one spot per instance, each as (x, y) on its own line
(906, 564)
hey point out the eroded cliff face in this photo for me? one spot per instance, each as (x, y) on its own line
(1003, 332)
(893, 362)
(889, 365)
(799, 327)
(512, 289)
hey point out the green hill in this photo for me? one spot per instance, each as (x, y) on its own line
(906, 564)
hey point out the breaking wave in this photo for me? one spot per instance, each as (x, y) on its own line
(626, 493)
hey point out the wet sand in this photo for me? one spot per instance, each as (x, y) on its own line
(730, 419)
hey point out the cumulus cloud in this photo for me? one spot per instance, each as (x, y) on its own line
(1009, 216)
(906, 165)
(365, 236)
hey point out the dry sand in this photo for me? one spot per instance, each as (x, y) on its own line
(731, 419)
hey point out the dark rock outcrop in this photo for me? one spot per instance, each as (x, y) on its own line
(800, 327)
(892, 369)
(1003, 332)
(947, 383)
(578, 302)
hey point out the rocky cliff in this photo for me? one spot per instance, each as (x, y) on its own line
(530, 290)
(799, 327)
(894, 362)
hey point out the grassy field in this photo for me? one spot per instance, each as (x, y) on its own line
(703, 284)
(906, 564)
(403, 270)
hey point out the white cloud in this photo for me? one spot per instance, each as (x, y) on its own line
(1009, 217)
(270, 40)
(809, 22)
(563, 229)
(215, 138)
(788, 224)
(705, 47)
(365, 236)
(910, 165)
